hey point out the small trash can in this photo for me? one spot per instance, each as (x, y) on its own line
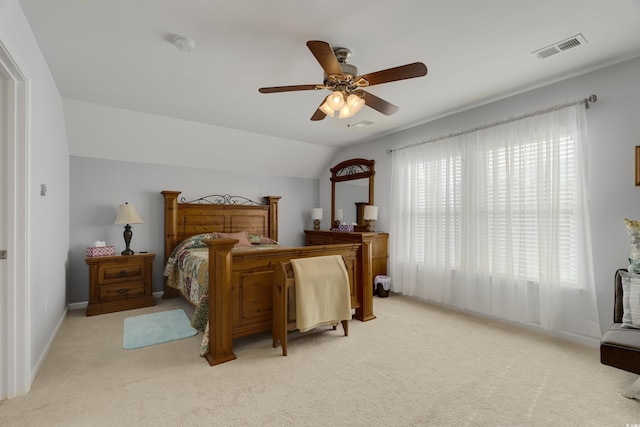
(382, 285)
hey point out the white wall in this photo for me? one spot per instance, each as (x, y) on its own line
(614, 131)
(98, 186)
(49, 164)
(111, 133)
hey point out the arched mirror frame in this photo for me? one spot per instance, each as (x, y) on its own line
(350, 170)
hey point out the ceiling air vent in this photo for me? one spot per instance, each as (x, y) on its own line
(361, 124)
(569, 43)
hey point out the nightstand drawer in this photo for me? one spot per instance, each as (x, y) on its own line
(120, 282)
(119, 273)
(120, 291)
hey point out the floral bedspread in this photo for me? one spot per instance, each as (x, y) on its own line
(190, 273)
(187, 270)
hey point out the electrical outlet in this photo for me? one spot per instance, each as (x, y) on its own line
(46, 305)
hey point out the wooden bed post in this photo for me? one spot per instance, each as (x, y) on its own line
(170, 234)
(273, 216)
(220, 301)
(365, 312)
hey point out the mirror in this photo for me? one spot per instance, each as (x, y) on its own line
(348, 194)
(351, 190)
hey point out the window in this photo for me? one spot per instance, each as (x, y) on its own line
(495, 221)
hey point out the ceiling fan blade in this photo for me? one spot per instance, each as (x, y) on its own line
(409, 71)
(378, 104)
(286, 88)
(325, 56)
(318, 115)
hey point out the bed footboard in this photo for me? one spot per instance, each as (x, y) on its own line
(241, 289)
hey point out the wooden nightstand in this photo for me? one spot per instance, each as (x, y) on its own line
(120, 282)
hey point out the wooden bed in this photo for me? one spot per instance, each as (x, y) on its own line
(241, 283)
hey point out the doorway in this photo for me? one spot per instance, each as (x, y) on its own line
(15, 371)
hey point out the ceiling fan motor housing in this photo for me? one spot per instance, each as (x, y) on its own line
(349, 72)
(349, 69)
(342, 54)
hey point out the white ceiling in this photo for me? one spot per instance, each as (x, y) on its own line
(120, 53)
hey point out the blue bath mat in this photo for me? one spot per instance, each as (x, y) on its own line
(156, 328)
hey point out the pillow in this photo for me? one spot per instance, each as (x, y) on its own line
(633, 231)
(630, 300)
(258, 239)
(240, 235)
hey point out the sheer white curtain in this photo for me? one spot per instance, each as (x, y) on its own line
(496, 221)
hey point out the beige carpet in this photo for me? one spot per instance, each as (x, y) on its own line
(415, 365)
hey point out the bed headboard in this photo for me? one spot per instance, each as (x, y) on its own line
(216, 213)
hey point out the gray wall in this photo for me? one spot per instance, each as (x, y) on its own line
(98, 186)
(614, 131)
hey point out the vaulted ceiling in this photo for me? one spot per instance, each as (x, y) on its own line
(121, 53)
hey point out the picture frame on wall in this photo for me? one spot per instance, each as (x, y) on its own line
(637, 165)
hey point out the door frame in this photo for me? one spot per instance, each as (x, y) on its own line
(15, 282)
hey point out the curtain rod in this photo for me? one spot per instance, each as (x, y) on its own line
(585, 101)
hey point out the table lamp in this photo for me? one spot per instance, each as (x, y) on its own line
(370, 215)
(339, 217)
(316, 216)
(127, 215)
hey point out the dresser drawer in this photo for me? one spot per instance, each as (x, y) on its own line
(337, 239)
(318, 240)
(120, 291)
(114, 273)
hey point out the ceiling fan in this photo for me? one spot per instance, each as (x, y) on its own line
(347, 94)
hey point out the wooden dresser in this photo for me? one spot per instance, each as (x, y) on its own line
(374, 245)
(120, 282)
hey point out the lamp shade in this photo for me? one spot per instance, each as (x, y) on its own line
(339, 214)
(370, 212)
(353, 104)
(316, 213)
(335, 100)
(325, 108)
(127, 215)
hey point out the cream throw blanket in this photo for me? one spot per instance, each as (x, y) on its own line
(322, 291)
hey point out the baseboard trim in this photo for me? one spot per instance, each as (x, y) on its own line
(83, 304)
(44, 354)
(78, 305)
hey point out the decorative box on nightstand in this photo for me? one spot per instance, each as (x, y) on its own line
(120, 282)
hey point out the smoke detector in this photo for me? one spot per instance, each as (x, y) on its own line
(184, 44)
(567, 44)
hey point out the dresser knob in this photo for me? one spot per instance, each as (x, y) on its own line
(123, 273)
(123, 290)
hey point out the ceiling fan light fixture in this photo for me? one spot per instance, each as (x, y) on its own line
(335, 100)
(326, 109)
(351, 107)
(355, 103)
(345, 112)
